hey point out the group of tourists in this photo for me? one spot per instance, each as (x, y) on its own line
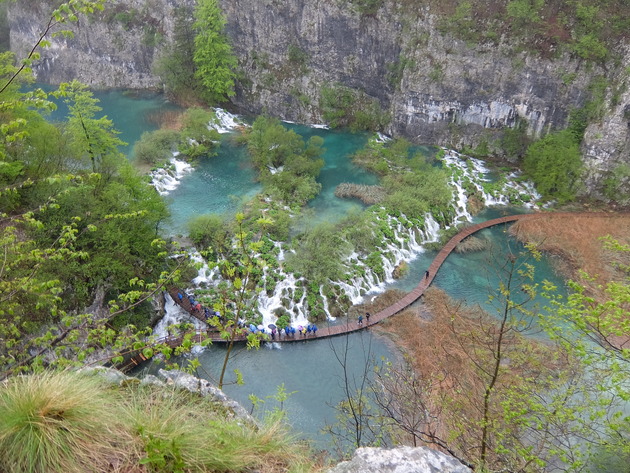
(197, 309)
(286, 332)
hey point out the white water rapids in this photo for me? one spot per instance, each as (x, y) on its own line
(289, 295)
(167, 179)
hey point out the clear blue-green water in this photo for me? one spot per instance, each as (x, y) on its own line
(133, 112)
(218, 185)
(309, 369)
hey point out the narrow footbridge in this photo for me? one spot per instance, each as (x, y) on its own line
(351, 325)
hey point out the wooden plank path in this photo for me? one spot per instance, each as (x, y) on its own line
(352, 325)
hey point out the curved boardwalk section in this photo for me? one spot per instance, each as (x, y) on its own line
(352, 325)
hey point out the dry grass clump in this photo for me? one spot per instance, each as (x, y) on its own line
(471, 244)
(171, 119)
(53, 423)
(367, 194)
(68, 422)
(577, 239)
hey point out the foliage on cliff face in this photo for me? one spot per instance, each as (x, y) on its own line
(588, 29)
(213, 54)
(554, 163)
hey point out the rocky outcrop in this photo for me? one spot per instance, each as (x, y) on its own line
(400, 460)
(436, 89)
(116, 48)
(180, 380)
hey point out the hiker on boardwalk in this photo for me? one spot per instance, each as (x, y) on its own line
(426, 274)
(180, 296)
(367, 318)
(360, 320)
(314, 330)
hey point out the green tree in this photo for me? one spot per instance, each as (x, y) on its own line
(176, 67)
(211, 232)
(287, 165)
(235, 298)
(319, 254)
(78, 226)
(554, 163)
(213, 55)
(156, 147)
(93, 138)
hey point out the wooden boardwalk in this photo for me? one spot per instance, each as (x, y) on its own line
(352, 325)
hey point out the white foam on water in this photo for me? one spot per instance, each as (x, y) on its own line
(225, 122)
(173, 315)
(166, 180)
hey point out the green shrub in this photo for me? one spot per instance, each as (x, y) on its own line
(554, 163)
(297, 56)
(367, 7)
(591, 48)
(345, 107)
(198, 140)
(155, 147)
(209, 230)
(617, 184)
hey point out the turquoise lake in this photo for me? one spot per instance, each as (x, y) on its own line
(308, 370)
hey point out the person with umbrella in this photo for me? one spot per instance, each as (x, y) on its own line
(272, 327)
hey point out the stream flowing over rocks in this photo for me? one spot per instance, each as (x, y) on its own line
(445, 91)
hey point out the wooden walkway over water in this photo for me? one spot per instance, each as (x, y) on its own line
(352, 325)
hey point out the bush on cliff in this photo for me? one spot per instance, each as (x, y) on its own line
(554, 163)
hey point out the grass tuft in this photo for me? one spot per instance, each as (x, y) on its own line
(68, 422)
(51, 423)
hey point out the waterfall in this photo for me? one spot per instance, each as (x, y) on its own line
(472, 172)
(403, 241)
(166, 179)
(205, 274)
(284, 290)
(325, 303)
(225, 121)
(174, 314)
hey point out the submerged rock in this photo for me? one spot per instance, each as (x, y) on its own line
(400, 460)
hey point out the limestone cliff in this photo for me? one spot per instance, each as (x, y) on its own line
(116, 48)
(436, 89)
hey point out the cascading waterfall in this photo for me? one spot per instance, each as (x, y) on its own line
(472, 172)
(284, 292)
(404, 243)
(205, 274)
(166, 179)
(174, 314)
(225, 121)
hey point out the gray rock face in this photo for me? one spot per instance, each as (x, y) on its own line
(206, 389)
(437, 90)
(400, 460)
(114, 49)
